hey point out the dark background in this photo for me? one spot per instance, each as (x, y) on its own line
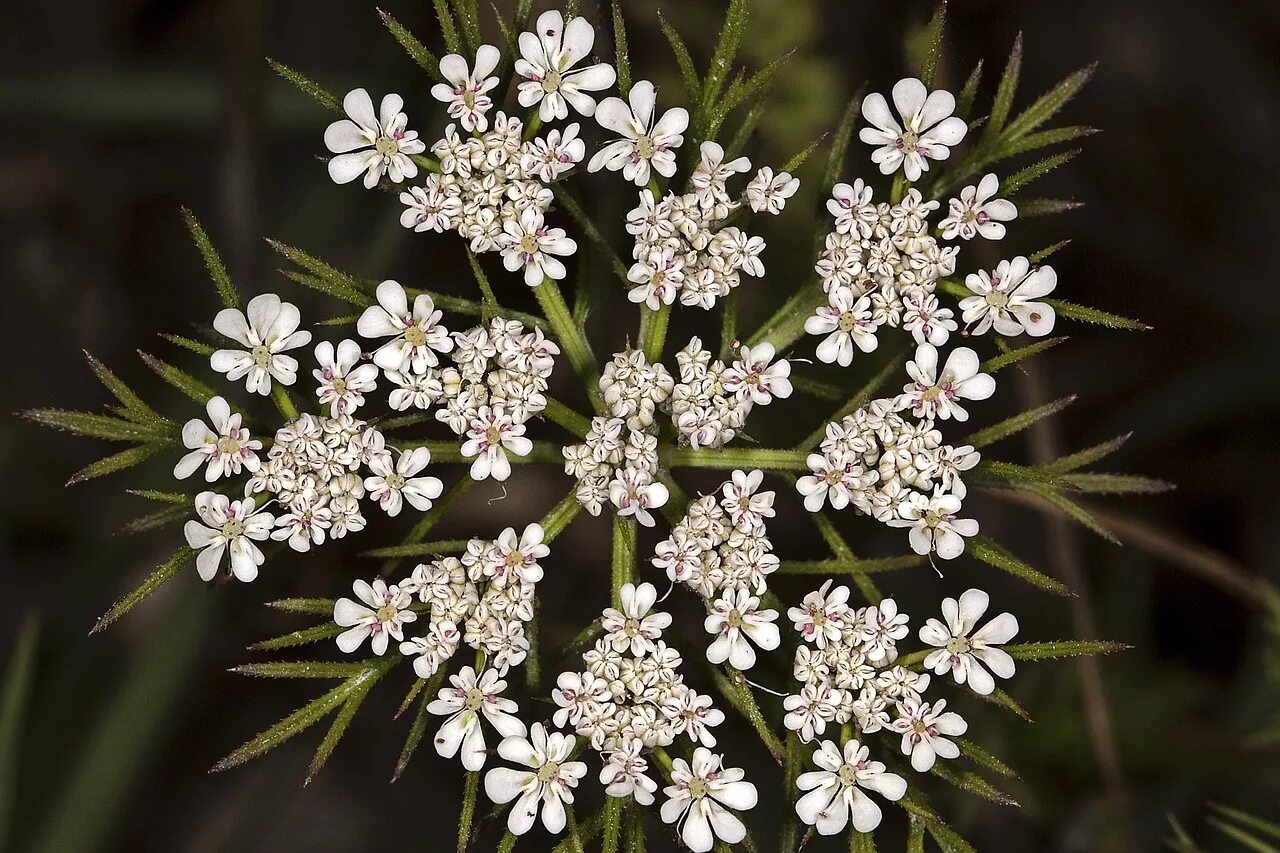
(117, 113)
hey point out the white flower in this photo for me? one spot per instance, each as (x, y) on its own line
(923, 728)
(623, 773)
(658, 275)
(464, 704)
(938, 395)
(513, 558)
(768, 192)
(963, 654)
(227, 524)
(976, 212)
(692, 714)
(835, 477)
(633, 492)
(391, 487)
(847, 322)
(342, 384)
(925, 319)
(700, 797)
(547, 57)
(226, 448)
(550, 156)
(809, 711)
(835, 791)
(383, 614)
(466, 93)
(927, 129)
(712, 170)
(548, 784)
(882, 626)
(747, 508)
(416, 335)
(633, 627)
(1005, 299)
(821, 617)
(372, 144)
(305, 523)
(414, 390)
(429, 208)
(578, 694)
(934, 526)
(643, 143)
(270, 329)
(492, 433)
(735, 618)
(753, 378)
(527, 242)
(434, 649)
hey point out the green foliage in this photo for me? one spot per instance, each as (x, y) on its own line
(1016, 424)
(15, 697)
(301, 669)
(1089, 455)
(1062, 649)
(131, 405)
(933, 41)
(735, 23)
(972, 783)
(326, 630)
(1003, 360)
(192, 388)
(217, 270)
(97, 426)
(159, 518)
(622, 57)
(688, 72)
(417, 51)
(309, 87)
(993, 554)
(1093, 315)
(419, 726)
(117, 462)
(158, 578)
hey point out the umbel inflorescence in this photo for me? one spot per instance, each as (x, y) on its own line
(640, 710)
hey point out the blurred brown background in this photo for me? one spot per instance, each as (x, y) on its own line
(117, 113)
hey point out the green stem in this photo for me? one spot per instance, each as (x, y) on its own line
(280, 395)
(559, 413)
(790, 770)
(612, 825)
(786, 326)
(468, 811)
(729, 324)
(570, 336)
(573, 207)
(444, 452)
(559, 516)
(624, 555)
(736, 457)
(653, 331)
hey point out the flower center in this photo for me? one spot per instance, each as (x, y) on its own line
(734, 619)
(697, 788)
(473, 699)
(493, 435)
(848, 321)
(339, 386)
(261, 355)
(997, 299)
(848, 774)
(549, 772)
(958, 645)
(386, 613)
(834, 476)
(415, 337)
(931, 394)
(233, 529)
(387, 146)
(645, 147)
(552, 82)
(228, 445)
(908, 140)
(529, 244)
(395, 480)
(631, 627)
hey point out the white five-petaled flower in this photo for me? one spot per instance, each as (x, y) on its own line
(547, 784)
(227, 525)
(491, 435)
(372, 144)
(269, 329)
(747, 507)
(634, 492)
(467, 90)
(735, 619)
(938, 395)
(835, 791)
(226, 448)
(964, 654)
(976, 212)
(516, 558)
(417, 335)
(382, 613)
(304, 524)
(821, 615)
(623, 774)
(833, 479)
(924, 729)
(753, 378)
(847, 321)
(634, 627)
(528, 243)
(927, 130)
(547, 59)
(1006, 298)
(700, 797)
(643, 142)
(934, 526)
(768, 193)
(392, 486)
(342, 384)
(464, 704)
(657, 274)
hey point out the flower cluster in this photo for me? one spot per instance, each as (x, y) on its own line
(848, 676)
(710, 404)
(493, 386)
(897, 469)
(618, 459)
(482, 599)
(683, 246)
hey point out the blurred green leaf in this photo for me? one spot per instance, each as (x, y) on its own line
(1017, 423)
(993, 554)
(160, 518)
(1062, 649)
(117, 462)
(1089, 455)
(15, 698)
(735, 23)
(933, 45)
(1003, 360)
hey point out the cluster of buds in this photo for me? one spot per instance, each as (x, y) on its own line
(618, 459)
(880, 267)
(710, 404)
(494, 382)
(484, 599)
(896, 469)
(492, 190)
(630, 696)
(312, 471)
(683, 246)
